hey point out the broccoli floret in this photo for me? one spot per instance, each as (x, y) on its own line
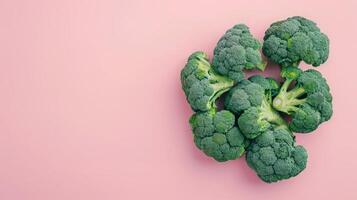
(251, 100)
(243, 96)
(268, 83)
(201, 84)
(309, 102)
(237, 50)
(274, 156)
(289, 41)
(215, 134)
(256, 120)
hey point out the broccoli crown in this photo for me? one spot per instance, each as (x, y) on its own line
(252, 122)
(201, 84)
(237, 50)
(289, 41)
(309, 102)
(243, 96)
(215, 134)
(267, 83)
(274, 156)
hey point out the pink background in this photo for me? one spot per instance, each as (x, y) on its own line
(91, 105)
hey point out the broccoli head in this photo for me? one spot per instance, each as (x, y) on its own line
(267, 83)
(251, 100)
(289, 41)
(201, 84)
(237, 50)
(215, 134)
(274, 156)
(244, 95)
(309, 102)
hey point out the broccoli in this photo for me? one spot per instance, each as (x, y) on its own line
(309, 102)
(274, 156)
(256, 120)
(259, 115)
(269, 84)
(243, 96)
(237, 50)
(215, 134)
(201, 84)
(251, 99)
(289, 41)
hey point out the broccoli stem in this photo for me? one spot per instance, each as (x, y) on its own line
(262, 65)
(286, 101)
(269, 114)
(220, 85)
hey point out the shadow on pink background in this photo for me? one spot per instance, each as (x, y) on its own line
(91, 105)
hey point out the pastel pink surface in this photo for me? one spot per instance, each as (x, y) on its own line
(91, 105)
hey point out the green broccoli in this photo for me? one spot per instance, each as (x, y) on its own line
(256, 120)
(289, 41)
(274, 156)
(201, 84)
(215, 134)
(237, 50)
(259, 114)
(243, 96)
(269, 84)
(251, 99)
(309, 102)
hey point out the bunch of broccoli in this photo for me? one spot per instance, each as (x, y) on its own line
(260, 115)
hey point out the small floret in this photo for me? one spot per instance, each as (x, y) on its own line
(215, 134)
(244, 95)
(267, 83)
(201, 84)
(237, 50)
(274, 156)
(309, 102)
(295, 39)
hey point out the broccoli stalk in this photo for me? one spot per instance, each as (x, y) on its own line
(286, 101)
(269, 114)
(220, 85)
